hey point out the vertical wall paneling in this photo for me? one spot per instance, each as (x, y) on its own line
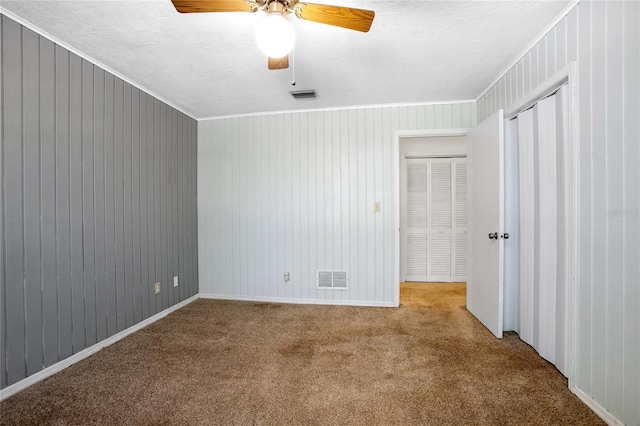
(584, 269)
(631, 205)
(126, 296)
(117, 306)
(135, 207)
(88, 221)
(240, 207)
(598, 186)
(193, 205)
(75, 202)
(103, 197)
(296, 191)
(174, 204)
(49, 282)
(171, 202)
(179, 208)
(31, 187)
(165, 195)
(77, 147)
(13, 215)
(615, 184)
(602, 37)
(146, 136)
(63, 202)
(150, 221)
(3, 337)
(156, 211)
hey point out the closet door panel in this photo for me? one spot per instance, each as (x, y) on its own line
(417, 219)
(436, 219)
(441, 224)
(460, 240)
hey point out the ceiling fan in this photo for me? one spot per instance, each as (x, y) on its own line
(274, 35)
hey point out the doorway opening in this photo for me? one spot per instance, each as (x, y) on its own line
(431, 214)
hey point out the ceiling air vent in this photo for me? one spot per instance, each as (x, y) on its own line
(334, 280)
(303, 94)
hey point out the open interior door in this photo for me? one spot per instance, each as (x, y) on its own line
(485, 145)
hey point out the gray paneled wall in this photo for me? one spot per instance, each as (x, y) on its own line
(296, 191)
(99, 202)
(603, 37)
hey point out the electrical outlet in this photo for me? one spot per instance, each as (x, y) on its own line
(157, 287)
(376, 207)
(175, 281)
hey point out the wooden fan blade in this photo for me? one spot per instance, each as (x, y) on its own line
(279, 63)
(345, 17)
(195, 6)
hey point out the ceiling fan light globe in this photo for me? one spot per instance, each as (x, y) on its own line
(275, 35)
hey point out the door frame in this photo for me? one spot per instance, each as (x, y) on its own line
(402, 134)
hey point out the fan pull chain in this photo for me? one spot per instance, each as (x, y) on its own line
(293, 66)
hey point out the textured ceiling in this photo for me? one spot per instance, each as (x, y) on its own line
(209, 65)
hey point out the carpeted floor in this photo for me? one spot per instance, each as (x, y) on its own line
(241, 363)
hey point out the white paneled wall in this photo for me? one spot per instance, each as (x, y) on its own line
(295, 192)
(603, 37)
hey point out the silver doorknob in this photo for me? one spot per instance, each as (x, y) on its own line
(505, 236)
(493, 235)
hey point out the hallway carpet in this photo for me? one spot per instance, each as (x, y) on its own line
(243, 363)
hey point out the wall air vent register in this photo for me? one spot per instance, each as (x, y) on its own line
(332, 280)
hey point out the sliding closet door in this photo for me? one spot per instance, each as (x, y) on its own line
(543, 281)
(436, 234)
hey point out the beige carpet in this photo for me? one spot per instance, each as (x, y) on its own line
(241, 363)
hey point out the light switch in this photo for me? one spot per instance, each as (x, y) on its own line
(376, 207)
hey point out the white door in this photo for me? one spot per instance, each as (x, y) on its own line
(485, 164)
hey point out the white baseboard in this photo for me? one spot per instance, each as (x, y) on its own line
(298, 301)
(61, 365)
(596, 408)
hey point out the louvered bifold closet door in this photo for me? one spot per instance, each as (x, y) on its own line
(436, 219)
(417, 219)
(460, 219)
(440, 250)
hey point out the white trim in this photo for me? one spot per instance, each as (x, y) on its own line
(430, 133)
(597, 408)
(397, 135)
(288, 300)
(67, 362)
(86, 57)
(340, 108)
(530, 46)
(544, 89)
